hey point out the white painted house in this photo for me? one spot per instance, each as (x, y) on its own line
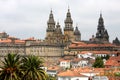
(65, 63)
(85, 54)
(79, 62)
(53, 70)
(100, 78)
(82, 74)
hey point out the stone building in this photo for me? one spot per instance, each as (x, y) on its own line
(54, 33)
(101, 34)
(58, 41)
(3, 35)
(29, 46)
(40, 48)
(10, 44)
(116, 41)
(98, 45)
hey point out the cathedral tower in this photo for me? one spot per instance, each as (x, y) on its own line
(102, 34)
(68, 29)
(50, 24)
(50, 29)
(58, 34)
(77, 34)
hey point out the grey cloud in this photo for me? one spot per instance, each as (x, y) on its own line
(27, 18)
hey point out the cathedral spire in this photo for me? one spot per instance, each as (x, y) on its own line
(51, 23)
(101, 21)
(76, 32)
(58, 25)
(68, 22)
(102, 34)
(68, 17)
(58, 29)
(51, 18)
(101, 15)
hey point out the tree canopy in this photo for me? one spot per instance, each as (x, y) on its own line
(22, 68)
(98, 63)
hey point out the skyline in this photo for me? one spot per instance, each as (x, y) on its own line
(24, 19)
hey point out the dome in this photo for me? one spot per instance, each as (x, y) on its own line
(77, 32)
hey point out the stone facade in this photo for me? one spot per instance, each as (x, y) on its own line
(44, 50)
(101, 34)
(11, 48)
(116, 41)
(98, 45)
(54, 33)
(28, 47)
(57, 42)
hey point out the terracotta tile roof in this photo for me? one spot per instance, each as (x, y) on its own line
(70, 73)
(117, 58)
(19, 41)
(84, 70)
(68, 57)
(76, 60)
(5, 40)
(9, 41)
(64, 60)
(54, 68)
(82, 44)
(113, 78)
(79, 71)
(112, 63)
(89, 70)
(95, 52)
(30, 39)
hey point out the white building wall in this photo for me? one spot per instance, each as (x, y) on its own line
(72, 78)
(83, 63)
(63, 78)
(65, 64)
(79, 78)
(89, 74)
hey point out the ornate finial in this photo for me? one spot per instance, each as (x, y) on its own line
(68, 8)
(51, 11)
(100, 13)
(76, 26)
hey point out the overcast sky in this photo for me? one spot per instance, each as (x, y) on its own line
(28, 18)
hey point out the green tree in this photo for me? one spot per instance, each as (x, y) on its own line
(98, 63)
(107, 57)
(51, 77)
(11, 68)
(117, 74)
(31, 68)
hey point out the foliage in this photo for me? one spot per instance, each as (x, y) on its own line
(117, 74)
(98, 63)
(105, 57)
(51, 78)
(22, 68)
(31, 67)
(11, 68)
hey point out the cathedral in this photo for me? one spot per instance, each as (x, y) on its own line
(101, 34)
(54, 33)
(98, 45)
(60, 42)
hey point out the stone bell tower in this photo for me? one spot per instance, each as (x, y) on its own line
(68, 29)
